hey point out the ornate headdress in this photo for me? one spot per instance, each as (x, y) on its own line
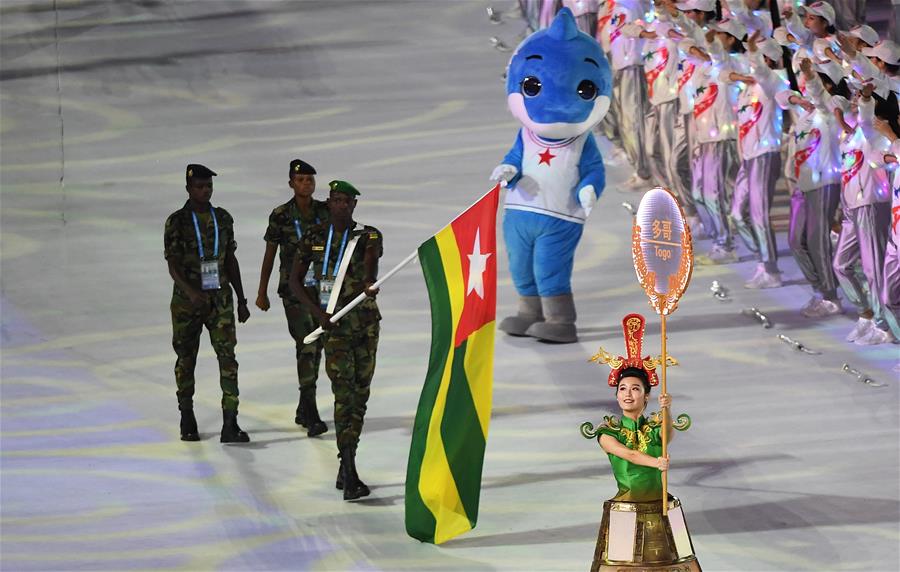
(633, 327)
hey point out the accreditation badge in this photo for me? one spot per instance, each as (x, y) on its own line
(209, 274)
(310, 280)
(325, 289)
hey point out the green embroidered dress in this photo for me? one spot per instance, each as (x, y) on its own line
(636, 483)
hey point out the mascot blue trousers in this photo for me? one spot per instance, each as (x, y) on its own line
(541, 252)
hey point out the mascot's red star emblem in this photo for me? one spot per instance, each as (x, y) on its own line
(545, 157)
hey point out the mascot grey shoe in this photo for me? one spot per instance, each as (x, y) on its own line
(559, 325)
(530, 312)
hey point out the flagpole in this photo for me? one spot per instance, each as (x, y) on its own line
(356, 301)
(313, 336)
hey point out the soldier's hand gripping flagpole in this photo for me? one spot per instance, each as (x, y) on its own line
(314, 335)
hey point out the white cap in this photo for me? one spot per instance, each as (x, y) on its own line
(886, 51)
(832, 69)
(865, 33)
(821, 9)
(780, 35)
(853, 83)
(702, 5)
(770, 48)
(732, 27)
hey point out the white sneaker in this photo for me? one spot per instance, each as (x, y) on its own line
(759, 270)
(636, 183)
(875, 336)
(722, 255)
(862, 327)
(764, 280)
(824, 309)
(812, 303)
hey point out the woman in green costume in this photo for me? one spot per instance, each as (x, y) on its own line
(634, 533)
(634, 444)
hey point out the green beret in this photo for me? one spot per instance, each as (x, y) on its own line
(343, 187)
(199, 171)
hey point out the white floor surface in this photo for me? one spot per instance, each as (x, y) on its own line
(790, 464)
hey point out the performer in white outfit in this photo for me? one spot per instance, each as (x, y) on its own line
(690, 18)
(814, 169)
(759, 148)
(714, 159)
(865, 202)
(609, 126)
(814, 33)
(629, 86)
(890, 294)
(660, 61)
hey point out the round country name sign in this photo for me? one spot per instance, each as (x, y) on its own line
(662, 249)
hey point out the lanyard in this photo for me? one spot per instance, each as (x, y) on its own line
(328, 250)
(299, 229)
(212, 211)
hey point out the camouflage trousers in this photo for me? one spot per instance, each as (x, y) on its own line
(187, 325)
(301, 323)
(350, 364)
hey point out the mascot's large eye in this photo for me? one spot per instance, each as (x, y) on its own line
(587, 90)
(531, 86)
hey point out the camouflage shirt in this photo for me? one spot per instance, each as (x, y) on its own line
(180, 242)
(312, 249)
(282, 232)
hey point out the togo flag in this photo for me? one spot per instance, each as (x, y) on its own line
(443, 477)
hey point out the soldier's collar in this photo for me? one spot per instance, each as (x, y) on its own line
(352, 227)
(187, 207)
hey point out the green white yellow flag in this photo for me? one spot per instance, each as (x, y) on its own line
(443, 477)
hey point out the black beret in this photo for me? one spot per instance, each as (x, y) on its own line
(199, 171)
(299, 167)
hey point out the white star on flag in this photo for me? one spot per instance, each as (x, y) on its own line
(477, 266)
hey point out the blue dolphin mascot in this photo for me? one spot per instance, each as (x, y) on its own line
(558, 86)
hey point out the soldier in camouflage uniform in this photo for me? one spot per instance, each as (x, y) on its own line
(199, 248)
(287, 224)
(350, 344)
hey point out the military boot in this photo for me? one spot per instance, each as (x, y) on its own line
(353, 487)
(300, 415)
(339, 481)
(314, 424)
(231, 432)
(189, 430)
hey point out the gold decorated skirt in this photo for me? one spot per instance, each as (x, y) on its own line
(635, 536)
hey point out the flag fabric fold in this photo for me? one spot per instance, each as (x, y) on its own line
(443, 476)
